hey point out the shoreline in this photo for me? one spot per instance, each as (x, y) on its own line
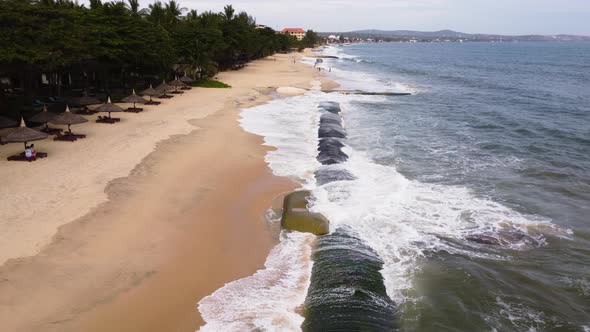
(120, 267)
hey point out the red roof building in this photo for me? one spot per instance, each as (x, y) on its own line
(296, 32)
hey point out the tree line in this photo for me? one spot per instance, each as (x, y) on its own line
(59, 43)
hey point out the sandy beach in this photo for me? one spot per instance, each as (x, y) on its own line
(127, 229)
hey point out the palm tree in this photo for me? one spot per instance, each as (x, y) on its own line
(115, 8)
(173, 11)
(156, 12)
(133, 6)
(228, 12)
(95, 4)
(192, 15)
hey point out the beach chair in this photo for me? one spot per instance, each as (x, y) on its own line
(134, 109)
(106, 119)
(52, 131)
(21, 157)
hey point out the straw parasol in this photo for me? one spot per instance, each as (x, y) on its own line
(133, 98)
(68, 118)
(186, 79)
(44, 117)
(7, 122)
(176, 84)
(84, 100)
(151, 92)
(23, 134)
(109, 107)
(163, 88)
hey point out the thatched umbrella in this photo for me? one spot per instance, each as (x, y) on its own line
(84, 101)
(163, 88)
(151, 92)
(7, 122)
(176, 84)
(186, 80)
(44, 117)
(68, 118)
(109, 107)
(133, 98)
(23, 134)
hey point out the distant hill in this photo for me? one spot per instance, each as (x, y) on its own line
(454, 35)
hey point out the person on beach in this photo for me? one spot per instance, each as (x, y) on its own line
(33, 152)
(28, 152)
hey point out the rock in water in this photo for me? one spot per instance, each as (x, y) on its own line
(297, 217)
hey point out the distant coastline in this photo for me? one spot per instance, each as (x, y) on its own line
(448, 36)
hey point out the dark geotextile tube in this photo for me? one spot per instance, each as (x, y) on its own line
(330, 151)
(330, 132)
(347, 292)
(327, 175)
(332, 118)
(330, 106)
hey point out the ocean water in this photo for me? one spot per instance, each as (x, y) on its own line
(470, 197)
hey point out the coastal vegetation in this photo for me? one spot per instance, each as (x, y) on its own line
(59, 47)
(209, 83)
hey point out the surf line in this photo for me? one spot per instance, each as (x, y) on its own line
(347, 290)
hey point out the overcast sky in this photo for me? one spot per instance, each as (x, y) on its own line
(472, 16)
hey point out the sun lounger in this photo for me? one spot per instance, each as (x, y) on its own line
(105, 119)
(165, 96)
(177, 92)
(186, 88)
(65, 138)
(21, 157)
(153, 102)
(69, 137)
(52, 131)
(134, 109)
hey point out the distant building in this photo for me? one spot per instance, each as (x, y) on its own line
(296, 32)
(261, 26)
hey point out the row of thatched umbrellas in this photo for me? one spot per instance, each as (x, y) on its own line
(23, 134)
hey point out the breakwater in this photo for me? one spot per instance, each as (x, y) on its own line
(347, 292)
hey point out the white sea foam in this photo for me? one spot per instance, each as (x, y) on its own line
(400, 219)
(267, 300)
